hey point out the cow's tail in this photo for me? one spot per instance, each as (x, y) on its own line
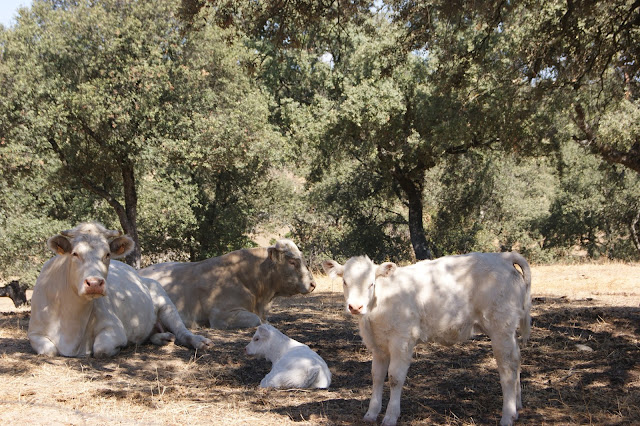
(525, 320)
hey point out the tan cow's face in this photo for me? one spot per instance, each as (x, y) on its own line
(293, 274)
(88, 249)
(359, 276)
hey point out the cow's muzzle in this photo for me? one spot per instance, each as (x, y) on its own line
(94, 286)
(355, 310)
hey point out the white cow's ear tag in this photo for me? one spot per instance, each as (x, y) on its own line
(60, 250)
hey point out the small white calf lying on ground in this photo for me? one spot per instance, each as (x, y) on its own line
(295, 365)
(443, 301)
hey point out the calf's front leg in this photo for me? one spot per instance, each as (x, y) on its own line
(379, 367)
(398, 367)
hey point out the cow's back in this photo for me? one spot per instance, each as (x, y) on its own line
(195, 287)
(445, 300)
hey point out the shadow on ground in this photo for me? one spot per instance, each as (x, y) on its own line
(454, 385)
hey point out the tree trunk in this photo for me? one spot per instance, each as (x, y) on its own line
(634, 232)
(413, 192)
(416, 229)
(128, 216)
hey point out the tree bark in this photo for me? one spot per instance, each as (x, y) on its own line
(413, 192)
(634, 232)
(129, 216)
(416, 229)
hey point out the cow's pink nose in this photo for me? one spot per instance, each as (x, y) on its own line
(94, 285)
(312, 285)
(355, 309)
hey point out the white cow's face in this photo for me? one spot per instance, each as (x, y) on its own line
(359, 276)
(260, 344)
(88, 249)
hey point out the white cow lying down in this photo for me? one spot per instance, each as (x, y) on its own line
(442, 301)
(295, 365)
(83, 303)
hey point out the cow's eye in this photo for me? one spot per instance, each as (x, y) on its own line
(107, 257)
(74, 254)
(255, 339)
(292, 262)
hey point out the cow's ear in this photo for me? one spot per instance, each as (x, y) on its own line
(121, 246)
(60, 244)
(332, 268)
(263, 331)
(386, 269)
(275, 255)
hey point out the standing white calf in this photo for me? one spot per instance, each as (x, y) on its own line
(295, 365)
(442, 301)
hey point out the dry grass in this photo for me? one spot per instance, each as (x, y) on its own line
(617, 284)
(592, 305)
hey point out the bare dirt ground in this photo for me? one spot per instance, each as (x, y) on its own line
(597, 306)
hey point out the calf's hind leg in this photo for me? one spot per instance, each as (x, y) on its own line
(169, 317)
(507, 354)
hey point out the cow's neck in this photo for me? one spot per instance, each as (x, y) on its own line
(74, 314)
(266, 285)
(373, 302)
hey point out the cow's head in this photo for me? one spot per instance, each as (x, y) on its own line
(263, 341)
(359, 276)
(292, 272)
(89, 248)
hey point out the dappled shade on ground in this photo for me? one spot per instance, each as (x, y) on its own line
(455, 385)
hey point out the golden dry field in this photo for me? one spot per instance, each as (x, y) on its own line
(593, 305)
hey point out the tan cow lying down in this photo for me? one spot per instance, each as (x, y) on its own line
(234, 290)
(442, 301)
(83, 303)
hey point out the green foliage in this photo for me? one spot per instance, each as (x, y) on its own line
(594, 208)
(352, 215)
(489, 201)
(458, 125)
(167, 218)
(130, 115)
